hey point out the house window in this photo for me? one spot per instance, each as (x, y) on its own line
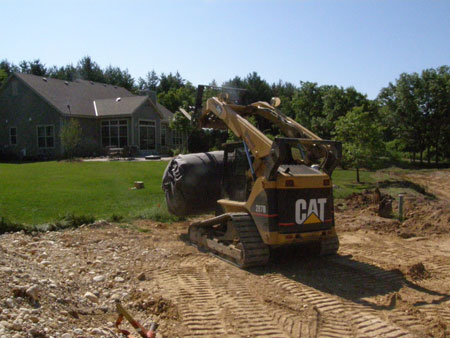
(177, 137)
(13, 135)
(147, 132)
(164, 129)
(115, 133)
(46, 136)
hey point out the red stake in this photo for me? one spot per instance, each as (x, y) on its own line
(139, 328)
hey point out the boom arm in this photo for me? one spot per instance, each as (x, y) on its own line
(218, 114)
(258, 143)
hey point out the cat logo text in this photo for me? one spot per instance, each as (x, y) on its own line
(310, 211)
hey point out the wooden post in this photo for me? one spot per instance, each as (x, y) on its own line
(139, 185)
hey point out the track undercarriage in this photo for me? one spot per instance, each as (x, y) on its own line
(235, 238)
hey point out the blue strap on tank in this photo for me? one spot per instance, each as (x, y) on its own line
(249, 161)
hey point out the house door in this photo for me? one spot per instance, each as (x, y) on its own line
(115, 133)
(147, 133)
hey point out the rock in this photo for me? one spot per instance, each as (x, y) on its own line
(141, 276)
(6, 270)
(90, 296)
(19, 291)
(385, 207)
(37, 333)
(34, 319)
(78, 331)
(119, 279)
(66, 335)
(16, 326)
(97, 331)
(99, 278)
(9, 303)
(115, 296)
(33, 292)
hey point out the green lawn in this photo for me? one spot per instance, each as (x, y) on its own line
(344, 182)
(45, 192)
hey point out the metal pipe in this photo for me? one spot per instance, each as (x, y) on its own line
(400, 206)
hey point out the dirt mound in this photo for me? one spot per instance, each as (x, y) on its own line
(357, 201)
(425, 217)
(418, 271)
(422, 215)
(157, 305)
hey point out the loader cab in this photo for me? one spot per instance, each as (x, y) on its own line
(236, 185)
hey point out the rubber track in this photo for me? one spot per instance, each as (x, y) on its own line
(255, 252)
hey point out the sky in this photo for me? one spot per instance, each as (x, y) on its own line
(361, 43)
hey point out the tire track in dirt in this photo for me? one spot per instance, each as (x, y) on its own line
(195, 299)
(339, 317)
(411, 321)
(442, 312)
(216, 300)
(250, 315)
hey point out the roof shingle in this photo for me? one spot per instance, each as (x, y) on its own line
(73, 97)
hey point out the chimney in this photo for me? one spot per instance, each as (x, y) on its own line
(150, 93)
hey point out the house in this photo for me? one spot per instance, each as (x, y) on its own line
(33, 109)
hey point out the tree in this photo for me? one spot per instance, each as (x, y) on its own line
(90, 70)
(33, 67)
(167, 82)
(67, 73)
(71, 137)
(150, 82)
(418, 107)
(361, 136)
(307, 103)
(8, 67)
(319, 107)
(117, 77)
(178, 97)
(3, 77)
(285, 91)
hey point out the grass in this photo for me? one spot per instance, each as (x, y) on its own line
(49, 191)
(67, 194)
(345, 182)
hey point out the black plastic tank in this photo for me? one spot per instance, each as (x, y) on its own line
(192, 183)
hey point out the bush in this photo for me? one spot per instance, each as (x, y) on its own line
(116, 218)
(71, 137)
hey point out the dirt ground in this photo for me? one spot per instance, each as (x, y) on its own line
(389, 279)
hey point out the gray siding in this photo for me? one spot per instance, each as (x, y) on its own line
(146, 112)
(26, 111)
(91, 137)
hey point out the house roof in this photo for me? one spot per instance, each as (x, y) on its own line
(119, 105)
(166, 113)
(78, 97)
